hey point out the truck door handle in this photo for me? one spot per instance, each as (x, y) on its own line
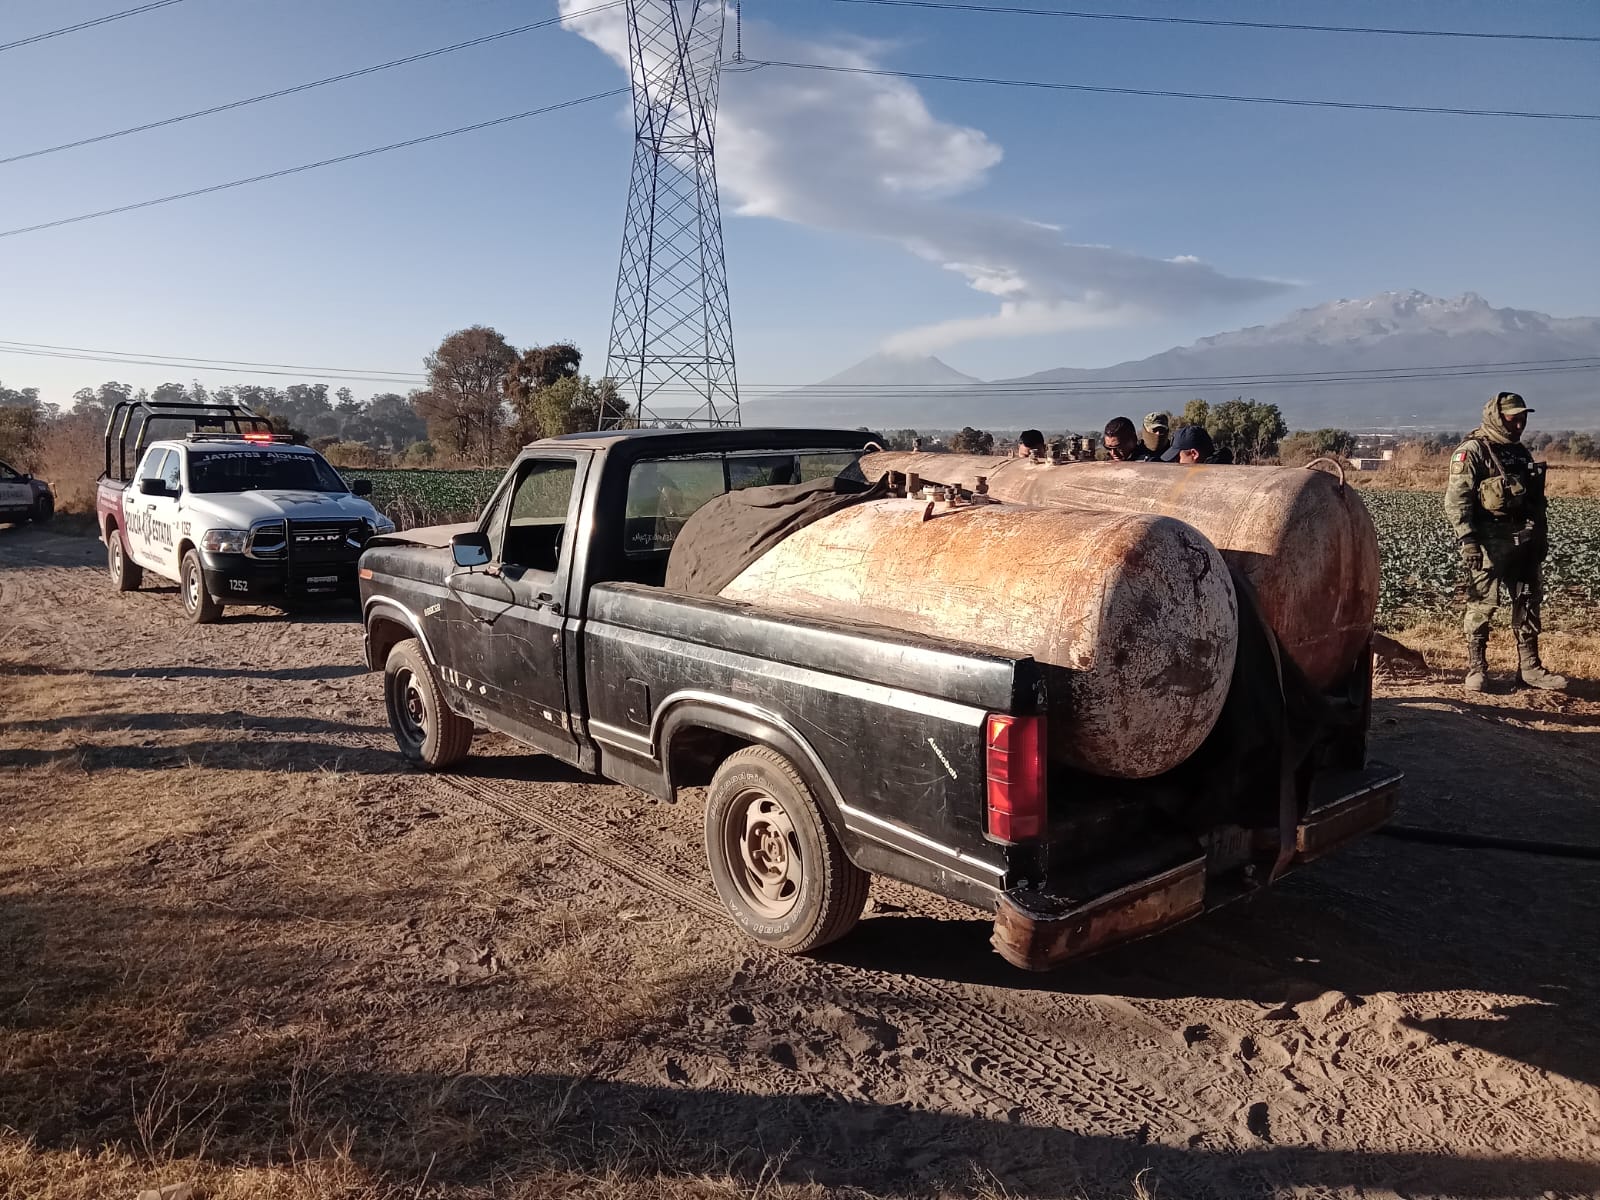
(547, 599)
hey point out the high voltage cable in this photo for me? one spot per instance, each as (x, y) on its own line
(144, 358)
(1079, 15)
(1052, 85)
(306, 87)
(312, 166)
(1092, 387)
(1356, 376)
(105, 20)
(250, 372)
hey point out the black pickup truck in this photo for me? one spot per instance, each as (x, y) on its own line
(830, 749)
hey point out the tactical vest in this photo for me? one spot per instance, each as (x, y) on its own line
(1510, 494)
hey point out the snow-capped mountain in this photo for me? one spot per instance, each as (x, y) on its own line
(1452, 353)
(894, 369)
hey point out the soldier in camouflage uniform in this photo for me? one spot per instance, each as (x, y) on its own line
(1495, 501)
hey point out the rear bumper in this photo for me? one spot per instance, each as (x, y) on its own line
(1037, 930)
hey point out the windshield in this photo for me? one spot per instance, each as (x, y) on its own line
(252, 470)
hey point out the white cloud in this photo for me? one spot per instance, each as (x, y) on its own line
(864, 155)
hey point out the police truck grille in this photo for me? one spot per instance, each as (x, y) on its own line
(326, 541)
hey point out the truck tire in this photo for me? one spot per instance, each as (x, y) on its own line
(203, 608)
(776, 864)
(44, 508)
(126, 575)
(427, 731)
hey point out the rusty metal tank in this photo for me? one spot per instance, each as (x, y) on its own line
(1133, 617)
(1301, 537)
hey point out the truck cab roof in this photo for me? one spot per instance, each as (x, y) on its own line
(691, 441)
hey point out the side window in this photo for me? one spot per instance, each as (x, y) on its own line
(536, 518)
(171, 473)
(154, 463)
(6, 473)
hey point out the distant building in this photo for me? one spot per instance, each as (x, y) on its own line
(1370, 464)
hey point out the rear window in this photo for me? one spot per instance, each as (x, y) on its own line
(261, 470)
(663, 493)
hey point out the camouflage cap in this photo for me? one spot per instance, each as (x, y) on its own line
(1157, 420)
(1510, 404)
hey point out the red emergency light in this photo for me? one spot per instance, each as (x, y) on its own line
(1015, 762)
(255, 436)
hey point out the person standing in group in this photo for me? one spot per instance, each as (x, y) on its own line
(1494, 499)
(1122, 442)
(1156, 438)
(1030, 444)
(1191, 445)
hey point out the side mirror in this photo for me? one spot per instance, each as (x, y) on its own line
(361, 487)
(27, 477)
(153, 487)
(470, 549)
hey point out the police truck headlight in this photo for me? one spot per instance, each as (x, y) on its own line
(382, 524)
(224, 541)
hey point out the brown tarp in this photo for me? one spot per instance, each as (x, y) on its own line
(730, 532)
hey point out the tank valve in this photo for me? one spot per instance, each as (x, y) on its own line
(897, 485)
(914, 484)
(980, 494)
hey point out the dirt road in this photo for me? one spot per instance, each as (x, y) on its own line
(242, 946)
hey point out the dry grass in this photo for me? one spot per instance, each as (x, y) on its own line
(71, 460)
(1416, 469)
(1575, 653)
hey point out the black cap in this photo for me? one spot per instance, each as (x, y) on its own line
(1190, 437)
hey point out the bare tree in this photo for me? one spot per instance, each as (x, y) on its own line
(464, 402)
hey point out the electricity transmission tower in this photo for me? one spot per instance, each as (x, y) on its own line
(671, 331)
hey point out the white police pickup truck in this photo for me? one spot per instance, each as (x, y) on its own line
(247, 518)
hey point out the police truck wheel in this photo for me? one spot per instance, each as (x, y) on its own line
(781, 873)
(427, 731)
(126, 576)
(202, 607)
(44, 508)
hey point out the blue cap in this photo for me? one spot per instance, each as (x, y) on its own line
(1190, 437)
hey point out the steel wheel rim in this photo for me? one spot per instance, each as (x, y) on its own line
(116, 559)
(762, 852)
(410, 708)
(191, 589)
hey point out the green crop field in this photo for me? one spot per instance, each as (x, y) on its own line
(1421, 571)
(411, 498)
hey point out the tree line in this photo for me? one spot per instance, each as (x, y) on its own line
(483, 399)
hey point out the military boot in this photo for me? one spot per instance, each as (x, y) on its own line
(1531, 672)
(1477, 663)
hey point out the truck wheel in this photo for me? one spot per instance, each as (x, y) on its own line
(44, 508)
(776, 864)
(126, 576)
(428, 732)
(202, 607)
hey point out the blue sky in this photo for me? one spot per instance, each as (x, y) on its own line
(873, 190)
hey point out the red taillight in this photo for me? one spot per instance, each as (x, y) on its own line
(1015, 762)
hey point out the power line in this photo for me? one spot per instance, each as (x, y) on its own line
(1008, 387)
(202, 369)
(312, 166)
(182, 361)
(1079, 15)
(105, 20)
(306, 87)
(1051, 85)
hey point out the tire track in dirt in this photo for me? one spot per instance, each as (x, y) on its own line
(993, 1061)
